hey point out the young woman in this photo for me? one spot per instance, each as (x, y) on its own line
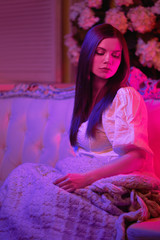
(109, 123)
(109, 134)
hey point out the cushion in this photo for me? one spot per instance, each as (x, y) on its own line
(148, 230)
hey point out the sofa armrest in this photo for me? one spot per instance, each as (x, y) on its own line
(148, 230)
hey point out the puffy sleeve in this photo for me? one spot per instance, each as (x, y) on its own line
(125, 122)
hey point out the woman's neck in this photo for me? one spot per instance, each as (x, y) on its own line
(98, 84)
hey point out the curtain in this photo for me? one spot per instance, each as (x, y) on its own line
(30, 41)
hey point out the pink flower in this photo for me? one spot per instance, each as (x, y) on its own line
(142, 19)
(156, 8)
(117, 19)
(94, 3)
(123, 2)
(87, 19)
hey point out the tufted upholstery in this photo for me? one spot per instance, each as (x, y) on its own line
(33, 130)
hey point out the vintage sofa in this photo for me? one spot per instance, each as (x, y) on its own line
(34, 127)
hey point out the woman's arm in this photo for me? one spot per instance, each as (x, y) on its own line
(130, 162)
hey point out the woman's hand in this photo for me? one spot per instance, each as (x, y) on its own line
(71, 182)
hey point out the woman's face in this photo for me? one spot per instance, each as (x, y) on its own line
(107, 58)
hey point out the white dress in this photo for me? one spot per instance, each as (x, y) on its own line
(123, 128)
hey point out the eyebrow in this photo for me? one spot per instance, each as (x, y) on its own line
(105, 49)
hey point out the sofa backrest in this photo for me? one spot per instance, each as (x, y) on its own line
(33, 130)
(37, 130)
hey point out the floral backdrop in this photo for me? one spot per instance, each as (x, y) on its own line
(138, 20)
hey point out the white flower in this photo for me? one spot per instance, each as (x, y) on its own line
(94, 3)
(142, 19)
(87, 19)
(119, 3)
(75, 10)
(73, 48)
(117, 19)
(149, 53)
(156, 8)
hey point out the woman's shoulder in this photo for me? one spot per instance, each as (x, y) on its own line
(128, 94)
(127, 91)
(125, 98)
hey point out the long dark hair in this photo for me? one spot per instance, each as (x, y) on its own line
(83, 93)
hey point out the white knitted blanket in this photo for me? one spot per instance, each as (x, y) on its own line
(32, 207)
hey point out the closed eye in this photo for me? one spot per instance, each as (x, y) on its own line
(100, 52)
(116, 54)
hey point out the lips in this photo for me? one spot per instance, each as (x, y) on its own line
(105, 69)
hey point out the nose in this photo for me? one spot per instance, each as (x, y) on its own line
(107, 57)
